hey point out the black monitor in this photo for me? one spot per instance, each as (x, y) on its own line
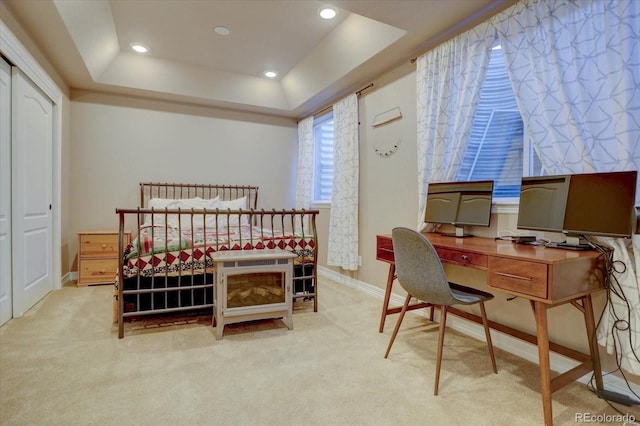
(579, 204)
(459, 204)
(542, 202)
(601, 204)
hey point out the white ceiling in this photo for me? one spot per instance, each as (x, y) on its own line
(318, 61)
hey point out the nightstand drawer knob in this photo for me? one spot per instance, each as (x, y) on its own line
(104, 246)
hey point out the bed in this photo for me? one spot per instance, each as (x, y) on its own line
(167, 266)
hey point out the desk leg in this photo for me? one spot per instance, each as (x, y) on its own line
(540, 310)
(593, 341)
(387, 295)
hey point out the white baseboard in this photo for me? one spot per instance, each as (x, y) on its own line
(500, 340)
(68, 277)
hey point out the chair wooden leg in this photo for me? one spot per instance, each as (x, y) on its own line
(487, 333)
(400, 318)
(443, 322)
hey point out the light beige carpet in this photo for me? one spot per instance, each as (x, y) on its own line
(62, 364)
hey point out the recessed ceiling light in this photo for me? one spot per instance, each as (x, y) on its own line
(139, 48)
(270, 74)
(328, 13)
(223, 31)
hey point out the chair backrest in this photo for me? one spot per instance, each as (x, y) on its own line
(419, 269)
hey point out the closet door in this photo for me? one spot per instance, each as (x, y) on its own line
(5, 192)
(32, 192)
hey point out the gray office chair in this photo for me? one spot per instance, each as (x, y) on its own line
(420, 272)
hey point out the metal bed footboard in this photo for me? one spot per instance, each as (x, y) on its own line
(184, 290)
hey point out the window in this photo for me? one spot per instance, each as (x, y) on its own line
(497, 146)
(323, 157)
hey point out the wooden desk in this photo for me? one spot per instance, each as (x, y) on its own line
(547, 277)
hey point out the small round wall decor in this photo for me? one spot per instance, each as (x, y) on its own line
(388, 150)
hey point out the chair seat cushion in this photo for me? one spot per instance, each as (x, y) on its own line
(469, 295)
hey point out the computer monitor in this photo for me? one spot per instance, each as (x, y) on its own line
(459, 204)
(542, 202)
(601, 204)
(442, 203)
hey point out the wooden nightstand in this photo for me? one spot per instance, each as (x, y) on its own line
(98, 256)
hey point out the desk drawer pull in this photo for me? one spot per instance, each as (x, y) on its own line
(517, 277)
(465, 257)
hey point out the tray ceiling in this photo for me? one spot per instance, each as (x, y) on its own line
(317, 61)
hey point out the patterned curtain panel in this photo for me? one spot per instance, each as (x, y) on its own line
(342, 249)
(449, 83)
(575, 70)
(304, 183)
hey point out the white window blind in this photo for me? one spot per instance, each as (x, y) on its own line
(496, 146)
(323, 157)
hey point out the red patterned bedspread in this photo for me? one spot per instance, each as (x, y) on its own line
(167, 251)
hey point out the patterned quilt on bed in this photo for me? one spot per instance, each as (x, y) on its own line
(168, 251)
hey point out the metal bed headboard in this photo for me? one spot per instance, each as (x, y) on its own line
(150, 190)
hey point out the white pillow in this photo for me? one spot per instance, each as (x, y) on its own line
(186, 218)
(237, 204)
(157, 204)
(196, 203)
(161, 203)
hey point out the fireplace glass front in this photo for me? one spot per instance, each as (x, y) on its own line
(256, 288)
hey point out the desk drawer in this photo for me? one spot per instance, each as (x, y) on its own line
(457, 257)
(518, 276)
(384, 249)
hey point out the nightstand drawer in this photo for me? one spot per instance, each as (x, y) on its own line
(518, 276)
(97, 271)
(98, 245)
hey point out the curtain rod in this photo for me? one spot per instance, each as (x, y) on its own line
(368, 86)
(357, 92)
(463, 26)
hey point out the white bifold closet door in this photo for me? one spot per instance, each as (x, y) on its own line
(6, 303)
(31, 193)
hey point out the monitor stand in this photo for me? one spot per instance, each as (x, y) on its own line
(572, 243)
(458, 234)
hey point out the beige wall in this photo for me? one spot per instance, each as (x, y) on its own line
(117, 142)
